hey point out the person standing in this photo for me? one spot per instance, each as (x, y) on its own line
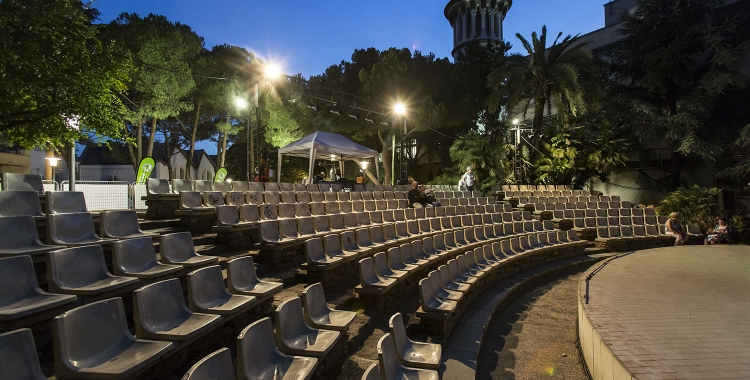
(468, 179)
(674, 228)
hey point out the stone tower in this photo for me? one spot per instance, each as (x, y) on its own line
(476, 20)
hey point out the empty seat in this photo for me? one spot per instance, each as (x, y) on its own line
(73, 230)
(160, 313)
(227, 218)
(21, 297)
(429, 302)
(223, 186)
(215, 366)
(240, 186)
(258, 357)
(137, 258)
(319, 315)
(192, 201)
(250, 213)
(242, 279)
(372, 372)
(207, 294)
(82, 271)
(20, 203)
(19, 359)
(180, 185)
(368, 277)
(203, 185)
(122, 225)
(93, 342)
(256, 186)
(254, 197)
(213, 198)
(20, 237)
(295, 337)
(178, 248)
(316, 254)
(22, 182)
(388, 361)
(410, 353)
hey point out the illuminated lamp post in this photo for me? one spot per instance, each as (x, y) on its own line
(400, 110)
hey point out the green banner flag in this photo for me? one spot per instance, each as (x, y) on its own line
(221, 175)
(144, 170)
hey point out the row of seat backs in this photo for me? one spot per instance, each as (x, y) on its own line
(175, 186)
(551, 206)
(635, 230)
(565, 199)
(530, 187)
(541, 193)
(258, 197)
(25, 202)
(22, 182)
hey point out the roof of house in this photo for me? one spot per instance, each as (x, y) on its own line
(117, 154)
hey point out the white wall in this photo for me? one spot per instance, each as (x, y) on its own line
(104, 172)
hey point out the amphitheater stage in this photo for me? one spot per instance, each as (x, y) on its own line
(668, 313)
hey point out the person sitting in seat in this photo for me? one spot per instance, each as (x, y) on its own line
(674, 229)
(421, 197)
(723, 233)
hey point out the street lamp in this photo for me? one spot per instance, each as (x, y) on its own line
(518, 127)
(73, 123)
(271, 72)
(241, 103)
(400, 110)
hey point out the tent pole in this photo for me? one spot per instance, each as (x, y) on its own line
(377, 169)
(312, 161)
(341, 165)
(278, 169)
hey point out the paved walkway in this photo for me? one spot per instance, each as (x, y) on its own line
(535, 336)
(676, 312)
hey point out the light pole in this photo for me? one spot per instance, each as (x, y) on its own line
(242, 104)
(270, 73)
(400, 110)
(73, 123)
(517, 165)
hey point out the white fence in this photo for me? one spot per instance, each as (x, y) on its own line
(104, 195)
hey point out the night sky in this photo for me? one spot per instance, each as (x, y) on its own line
(307, 36)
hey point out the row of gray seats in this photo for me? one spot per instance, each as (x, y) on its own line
(93, 341)
(496, 188)
(508, 195)
(601, 212)
(565, 199)
(443, 290)
(306, 331)
(605, 221)
(216, 198)
(22, 182)
(17, 203)
(539, 207)
(605, 233)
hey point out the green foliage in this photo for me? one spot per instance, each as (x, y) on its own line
(696, 205)
(487, 153)
(53, 67)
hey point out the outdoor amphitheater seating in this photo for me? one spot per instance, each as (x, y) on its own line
(207, 294)
(180, 185)
(22, 182)
(316, 255)
(82, 271)
(19, 357)
(272, 198)
(160, 313)
(122, 225)
(410, 353)
(256, 187)
(295, 337)
(382, 269)
(18, 236)
(93, 342)
(21, 203)
(288, 197)
(66, 202)
(241, 186)
(440, 293)
(21, 300)
(223, 186)
(215, 366)
(191, 202)
(429, 300)
(319, 315)
(302, 209)
(203, 185)
(242, 279)
(73, 230)
(178, 248)
(272, 187)
(259, 358)
(227, 219)
(369, 279)
(254, 197)
(213, 199)
(250, 213)
(137, 258)
(270, 234)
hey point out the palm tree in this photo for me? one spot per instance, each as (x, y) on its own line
(545, 74)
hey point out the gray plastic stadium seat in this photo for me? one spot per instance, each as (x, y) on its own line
(242, 279)
(254, 197)
(20, 237)
(295, 337)
(23, 182)
(21, 296)
(93, 342)
(240, 186)
(207, 294)
(256, 186)
(258, 357)
(73, 230)
(250, 213)
(223, 186)
(213, 198)
(122, 225)
(193, 201)
(316, 255)
(18, 359)
(83, 271)
(178, 248)
(180, 185)
(227, 217)
(137, 258)
(319, 315)
(429, 302)
(215, 366)
(382, 269)
(368, 277)
(160, 313)
(66, 202)
(203, 186)
(20, 203)
(390, 367)
(410, 353)
(439, 292)
(372, 372)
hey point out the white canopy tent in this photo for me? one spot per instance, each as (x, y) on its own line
(326, 146)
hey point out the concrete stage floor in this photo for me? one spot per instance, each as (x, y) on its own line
(668, 313)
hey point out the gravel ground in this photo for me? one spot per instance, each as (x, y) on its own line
(536, 337)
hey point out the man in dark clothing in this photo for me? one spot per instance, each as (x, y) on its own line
(416, 195)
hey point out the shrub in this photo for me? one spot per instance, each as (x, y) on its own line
(696, 205)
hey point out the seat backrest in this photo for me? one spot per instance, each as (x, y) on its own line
(254, 197)
(314, 250)
(158, 186)
(133, 255)
(19, 358)
(287, 210)
(76, 267)
(17, 280)
(272, 197)
(190, 200)
(313, 187)
(272, 186)
(19, 203)
(380, 261)
(71, 228)
(18, 232)
(235, 198)
(159, 304)
(256, 351)
(269, 212)
(314, 301)
(349, 241)
(22, 182)
(290, 323)
(256, 187)
(215, 366)
(177, 247)
(285, 186)
(223, 186)
(121, 223)
(288, 228)
(203, 185)
(64, 202)
(249, 213)
(180, 185)
(240, 186)
(333, 245)
(83, 333)
(241, 273)
(288, 197)
(206, 287)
